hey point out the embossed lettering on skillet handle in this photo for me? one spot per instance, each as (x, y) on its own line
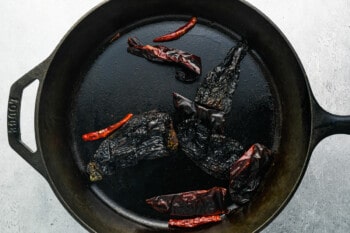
(13, 116)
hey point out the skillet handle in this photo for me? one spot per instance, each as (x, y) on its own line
(13, 117)
(326, 124)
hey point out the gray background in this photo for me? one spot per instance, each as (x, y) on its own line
(319, 30)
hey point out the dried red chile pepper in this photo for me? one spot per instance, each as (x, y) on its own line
(92, 136)
(159, 53)
(193, 222)
(192, 203)
(178, 33)
(247, 172)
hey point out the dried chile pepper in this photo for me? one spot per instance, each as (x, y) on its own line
(193, 222)
(92, 136)
(219, 85)
(146, 136)
(178, 32)
(201, 129)
(247, 172)
(192, 203)
(212, 152)
(159, 53)
(202, 140)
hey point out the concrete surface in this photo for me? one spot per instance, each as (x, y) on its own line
(319, 30)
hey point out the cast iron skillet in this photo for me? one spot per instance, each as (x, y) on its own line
(89, 82)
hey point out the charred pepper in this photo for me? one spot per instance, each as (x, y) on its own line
(218, 86)
(213, 153)
(201, 133)
(146, 136)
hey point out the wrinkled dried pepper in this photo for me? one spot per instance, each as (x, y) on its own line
(149, 135)
(218, 86)
(247, 172)
(159, 53)
(192, 203)
(178, 33)
(193, 222)
(92, 136)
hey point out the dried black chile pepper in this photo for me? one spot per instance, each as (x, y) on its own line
(213, 153)
(146, 136)
(201, 133)
(218, 86)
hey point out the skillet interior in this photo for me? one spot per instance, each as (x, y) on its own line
(91, 83)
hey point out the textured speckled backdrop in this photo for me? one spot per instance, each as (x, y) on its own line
(319, 30)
